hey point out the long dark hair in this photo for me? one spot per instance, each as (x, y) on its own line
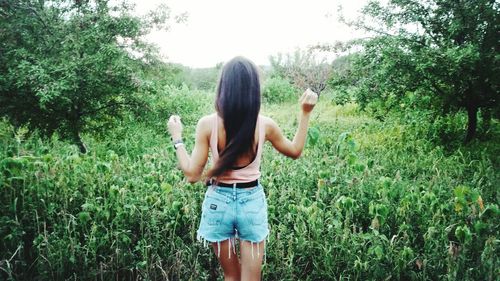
(238, 103)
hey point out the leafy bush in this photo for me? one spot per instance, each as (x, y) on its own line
(277, 90)
(367, 200)
(448, 64)
(78, 75)
(163, 101)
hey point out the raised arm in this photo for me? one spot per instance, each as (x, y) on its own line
(191, 166)
(293, 148)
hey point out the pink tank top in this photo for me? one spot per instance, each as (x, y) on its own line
(248, 173)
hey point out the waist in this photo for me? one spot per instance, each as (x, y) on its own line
(233, 185)
(228, 194)
(239, 176)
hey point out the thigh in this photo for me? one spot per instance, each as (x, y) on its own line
(251, 259)
(225, 252)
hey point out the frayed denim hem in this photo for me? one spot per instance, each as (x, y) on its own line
(232, 244)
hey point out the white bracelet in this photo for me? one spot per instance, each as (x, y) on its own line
(178, 143)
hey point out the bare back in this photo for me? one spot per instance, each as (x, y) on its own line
(243, 160)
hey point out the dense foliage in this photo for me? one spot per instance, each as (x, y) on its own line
(303, 68)
(70, 66)
(373, 197)
(368, 200)
(278, 89)
(437, 55)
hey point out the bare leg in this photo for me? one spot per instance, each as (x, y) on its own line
(228, 260)
(251, 260)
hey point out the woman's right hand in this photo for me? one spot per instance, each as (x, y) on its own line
(174, 125)
(308, 100)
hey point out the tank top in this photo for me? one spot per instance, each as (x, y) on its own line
(247, 173)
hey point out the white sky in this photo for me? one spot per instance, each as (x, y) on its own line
(218, 30)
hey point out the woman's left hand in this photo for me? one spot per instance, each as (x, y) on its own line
(308, 100)
(175, 127)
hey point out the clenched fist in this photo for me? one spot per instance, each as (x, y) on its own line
(308, 100)
(175, 127)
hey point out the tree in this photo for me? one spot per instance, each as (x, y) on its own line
(439, 54)
(71, 66)
(304, 69)
(203, 78)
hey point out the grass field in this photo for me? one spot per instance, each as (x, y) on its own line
(368, 200)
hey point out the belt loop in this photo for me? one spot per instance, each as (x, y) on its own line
(213, 184)
(234, 191)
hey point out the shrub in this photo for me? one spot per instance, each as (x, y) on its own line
(277, 90)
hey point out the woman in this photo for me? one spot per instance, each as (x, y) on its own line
(235, 206)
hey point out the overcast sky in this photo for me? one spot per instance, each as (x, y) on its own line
(217, 30)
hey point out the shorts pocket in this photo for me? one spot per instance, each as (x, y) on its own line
(213, 211)
(256, 211)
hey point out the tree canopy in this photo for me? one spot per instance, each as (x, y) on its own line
(71, 66)
(441, 55)
(304, 68)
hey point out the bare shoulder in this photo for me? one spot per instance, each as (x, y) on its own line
(266, 120)
(270, 126)
(205, 120)
(204, 126)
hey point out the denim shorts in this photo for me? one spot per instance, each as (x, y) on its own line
(230, 212)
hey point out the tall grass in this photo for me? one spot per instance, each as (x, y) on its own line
(368, 200)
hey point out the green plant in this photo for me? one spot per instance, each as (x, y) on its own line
(278, 90)
(433, 55)
(368, 200)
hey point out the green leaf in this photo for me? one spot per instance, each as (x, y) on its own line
(313, 135)
(84, 216)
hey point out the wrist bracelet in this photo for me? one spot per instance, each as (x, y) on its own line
(178, 143)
